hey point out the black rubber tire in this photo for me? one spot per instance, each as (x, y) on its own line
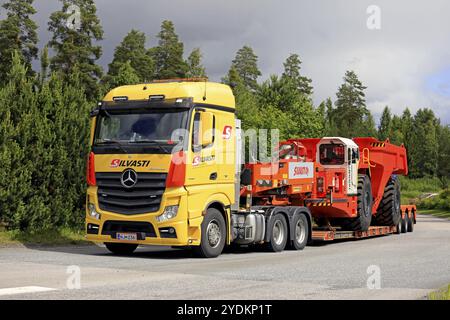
(365, 202)
(273, 245)
(389, 212)
(121, 248)
(399, 228)
(214, 219)
(300, 234)
(411, 223)
(404, 223)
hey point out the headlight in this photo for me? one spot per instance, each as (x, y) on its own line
(169, 213)
(93, 212)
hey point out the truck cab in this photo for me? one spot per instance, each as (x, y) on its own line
(162, 157)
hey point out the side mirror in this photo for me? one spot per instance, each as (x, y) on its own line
(207, 131)
(94, 112)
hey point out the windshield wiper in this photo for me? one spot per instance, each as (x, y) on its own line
(152, 142)
(114, 142)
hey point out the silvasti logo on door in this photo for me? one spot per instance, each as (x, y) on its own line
(117, 163)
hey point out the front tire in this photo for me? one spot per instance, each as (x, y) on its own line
(214, 233)
(278, 233)
(121, 248)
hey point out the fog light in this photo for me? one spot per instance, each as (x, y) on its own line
(93, 212)
(169, 213)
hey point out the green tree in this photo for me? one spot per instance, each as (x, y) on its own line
(45, 63)
(168, 55)
(292, 67)
(384, 129)
(18, 32)
(424, 144)
(75, 31)
(126, 75)
(443, 171)
(195, 67)
(246, 65)
(351, 114)
(132, 51)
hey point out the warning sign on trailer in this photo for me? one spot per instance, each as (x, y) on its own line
(301, 170)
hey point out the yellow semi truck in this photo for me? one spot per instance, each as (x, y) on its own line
(166, 168)
(161, 170)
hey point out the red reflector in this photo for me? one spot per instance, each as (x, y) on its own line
(90, 172)
(177, 171)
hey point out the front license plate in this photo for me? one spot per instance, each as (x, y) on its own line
(126, 236)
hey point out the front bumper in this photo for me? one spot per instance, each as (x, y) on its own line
(149, 230)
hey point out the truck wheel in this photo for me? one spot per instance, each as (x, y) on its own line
(365, 200)
(389, 212)
(411, 223)
(278, 233)
(214, 234)
(301, 233)
(121, 248)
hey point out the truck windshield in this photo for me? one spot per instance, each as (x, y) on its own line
(143, 127)
(332, 154)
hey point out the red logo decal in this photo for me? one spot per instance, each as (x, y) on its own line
(196, 161)
(299, 171)
(115, 163)
(227, 132)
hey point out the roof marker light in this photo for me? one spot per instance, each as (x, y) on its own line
(157, 97)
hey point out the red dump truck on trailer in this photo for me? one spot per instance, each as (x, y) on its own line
(350, 186)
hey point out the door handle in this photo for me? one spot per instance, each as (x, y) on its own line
(213, 176)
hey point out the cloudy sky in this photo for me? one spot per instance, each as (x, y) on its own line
(404, 63)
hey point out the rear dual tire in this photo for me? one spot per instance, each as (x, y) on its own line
(389, 210)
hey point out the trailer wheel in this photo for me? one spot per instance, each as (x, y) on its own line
(399, 228)
(365, 201)
(411, 223)
(404, 223)
(213, 235)
(300, 233)
(389, 212)
(278, 233)
(121, 248)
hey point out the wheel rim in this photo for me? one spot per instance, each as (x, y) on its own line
(213, 233)
(278, 232)
(299, 232)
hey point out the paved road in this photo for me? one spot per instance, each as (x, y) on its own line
(410, 265)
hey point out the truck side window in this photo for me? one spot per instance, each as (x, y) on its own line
(196, 141)
(332, 154)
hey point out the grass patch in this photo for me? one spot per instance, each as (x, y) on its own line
(442, 294)
(436, 212)
(412, 189)
(62, 236)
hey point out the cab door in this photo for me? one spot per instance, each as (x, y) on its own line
(202, 164)
(352, 170)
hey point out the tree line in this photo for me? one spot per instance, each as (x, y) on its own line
(44, 120)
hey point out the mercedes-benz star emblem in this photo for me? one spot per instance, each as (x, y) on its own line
(129, 178)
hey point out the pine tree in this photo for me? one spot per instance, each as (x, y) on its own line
(126, 75)
(351, 112)
(18, 32)
(246, 65)
(168, 55)
(195, 67)
(73, 42)
(45, 63)
(424, 144)
(385, 127)
(132, 51)
(292, 67)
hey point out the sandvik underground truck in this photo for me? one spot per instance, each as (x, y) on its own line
(165, 169)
